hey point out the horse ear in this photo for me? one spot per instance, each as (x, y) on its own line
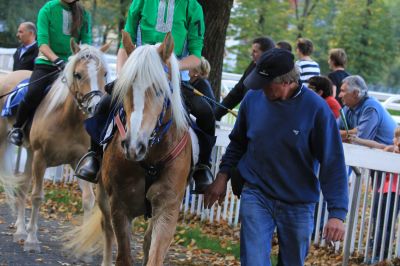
(105, 47)
(74, 46)
(127, 42)
(167, 47)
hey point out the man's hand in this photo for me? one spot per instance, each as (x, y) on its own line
(334, 230)
(346, 134)
(216, 191)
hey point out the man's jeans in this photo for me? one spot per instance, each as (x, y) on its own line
(260, 215)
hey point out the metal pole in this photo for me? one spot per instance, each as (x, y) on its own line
(352, 215)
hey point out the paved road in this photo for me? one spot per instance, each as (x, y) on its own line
(12, 254)
(51, 249)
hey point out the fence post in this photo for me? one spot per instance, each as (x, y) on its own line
(352, 214)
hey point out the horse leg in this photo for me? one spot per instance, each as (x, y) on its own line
(102, 199)
(165, 204)
(121, 226)
(38, 169)
(88, 197)
(147, 242)
(21, 233)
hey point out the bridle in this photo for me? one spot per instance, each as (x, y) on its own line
(83, 101)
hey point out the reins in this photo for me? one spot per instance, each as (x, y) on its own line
(188, 86)
(32, 82)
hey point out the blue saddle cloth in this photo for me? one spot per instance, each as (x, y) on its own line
(14, 99)
(101, 128)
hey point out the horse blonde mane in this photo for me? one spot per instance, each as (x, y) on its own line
(144, 71)
(60, 89)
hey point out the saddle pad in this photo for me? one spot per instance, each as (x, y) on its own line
(14, 99)
(101, 127)
(195, 146)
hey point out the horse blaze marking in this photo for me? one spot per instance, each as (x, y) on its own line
(92, 70)
(137, 114)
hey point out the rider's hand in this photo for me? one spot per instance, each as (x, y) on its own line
(216, 191)
(59, 63)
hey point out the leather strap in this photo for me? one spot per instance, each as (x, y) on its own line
(120, 126)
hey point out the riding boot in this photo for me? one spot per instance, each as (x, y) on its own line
(202, 175)
(89, 165)
(16, 134)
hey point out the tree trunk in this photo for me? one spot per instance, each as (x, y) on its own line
(216, 16)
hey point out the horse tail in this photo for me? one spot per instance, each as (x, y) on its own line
(86, 239)
(13, 184)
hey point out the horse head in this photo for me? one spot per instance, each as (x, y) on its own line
(83, 78)
(149, 87)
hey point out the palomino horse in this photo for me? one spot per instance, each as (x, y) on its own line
(147, 82)
(57, 135)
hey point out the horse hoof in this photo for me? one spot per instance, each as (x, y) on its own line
(18, 237)
(31, 247)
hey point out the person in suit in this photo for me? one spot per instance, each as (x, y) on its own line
(26, 53)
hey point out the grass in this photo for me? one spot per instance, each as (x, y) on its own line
(66, 196)
(187, 236)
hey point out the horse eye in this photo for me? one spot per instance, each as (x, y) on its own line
(105, 74)
(77, 76)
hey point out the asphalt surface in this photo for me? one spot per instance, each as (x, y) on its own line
(51, 248)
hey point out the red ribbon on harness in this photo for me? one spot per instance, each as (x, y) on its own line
(120, 126)
(177, 150)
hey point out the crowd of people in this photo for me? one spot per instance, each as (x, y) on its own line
(288, 120)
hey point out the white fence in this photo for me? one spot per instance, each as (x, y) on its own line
(370, 209)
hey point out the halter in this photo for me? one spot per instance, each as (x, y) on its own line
(162, 128)
(83, 102)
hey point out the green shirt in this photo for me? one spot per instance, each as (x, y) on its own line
(187, 22)
(53, 25)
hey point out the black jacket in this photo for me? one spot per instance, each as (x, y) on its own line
(27, 60)
(235, 96)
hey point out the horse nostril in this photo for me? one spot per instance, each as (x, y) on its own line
(141, 148)
(123, 143)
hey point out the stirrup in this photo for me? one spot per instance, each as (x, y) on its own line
(16, 136)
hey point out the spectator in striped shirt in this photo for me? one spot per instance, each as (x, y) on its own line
(308, 67)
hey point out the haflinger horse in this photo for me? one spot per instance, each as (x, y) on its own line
(57, 135)
(149, 87)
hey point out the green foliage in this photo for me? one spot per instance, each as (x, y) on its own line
(253, 18)
(368, 35)
(12, 13)
(365, 29)
(106, 16)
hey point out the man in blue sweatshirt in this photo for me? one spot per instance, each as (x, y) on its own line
(281, 131)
